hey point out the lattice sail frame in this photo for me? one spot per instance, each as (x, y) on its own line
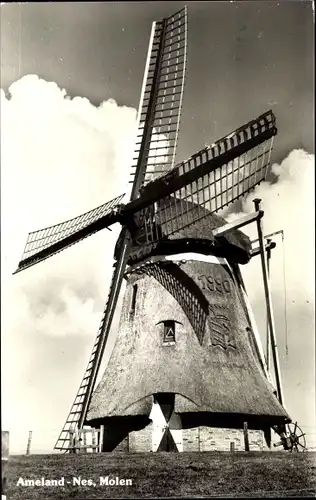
(161, 98)
(45, 242)
(249, 147)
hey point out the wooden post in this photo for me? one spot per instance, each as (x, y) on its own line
(4, 461)
(93, 441)
(28, 447)
(270, 317)
(101, 436)
(232, 446)
(268, 331)
(71, 440)
(84, 432)
(246, 437)
(76, 440)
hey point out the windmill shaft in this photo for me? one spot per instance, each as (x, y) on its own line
(107, 321)
(172, 182)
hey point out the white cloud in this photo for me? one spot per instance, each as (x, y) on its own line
(60, 157)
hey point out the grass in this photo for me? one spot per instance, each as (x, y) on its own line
(219, 474)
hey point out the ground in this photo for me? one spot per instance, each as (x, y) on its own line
(218, 474)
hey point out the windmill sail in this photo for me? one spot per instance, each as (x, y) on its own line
(161, 98)
(208, 181)
(46, 242)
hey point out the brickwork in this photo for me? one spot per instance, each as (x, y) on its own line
(141, 441)
(202, 439)
(191, 439)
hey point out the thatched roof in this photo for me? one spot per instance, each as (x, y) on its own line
(212, 368)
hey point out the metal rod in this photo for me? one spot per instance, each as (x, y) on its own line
(269, 305)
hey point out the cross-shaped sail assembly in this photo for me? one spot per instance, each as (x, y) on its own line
(205, 183)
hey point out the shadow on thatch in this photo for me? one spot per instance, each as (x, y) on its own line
(185, 291)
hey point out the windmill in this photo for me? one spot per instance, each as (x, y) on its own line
(182, 258)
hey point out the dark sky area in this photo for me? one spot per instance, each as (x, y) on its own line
(243, 58)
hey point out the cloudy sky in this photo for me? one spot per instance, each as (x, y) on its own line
(71, 76)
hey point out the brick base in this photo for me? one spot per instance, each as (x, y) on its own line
(201, 439)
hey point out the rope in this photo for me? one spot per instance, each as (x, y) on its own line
(285, 297)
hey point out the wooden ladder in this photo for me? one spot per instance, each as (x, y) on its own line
(64, 440)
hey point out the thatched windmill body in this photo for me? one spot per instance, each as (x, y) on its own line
(187, 345)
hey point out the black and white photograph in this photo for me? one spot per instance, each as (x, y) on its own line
(158, 249)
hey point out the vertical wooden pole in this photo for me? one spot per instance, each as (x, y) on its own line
(71, 440)
(4, 462)
(93, 441)
(268, 330)
(28, 447)
(269, 305)
(76, 440)
(101, 436)
(84, 439)
(246, 437)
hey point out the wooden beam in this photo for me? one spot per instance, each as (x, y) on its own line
(232, 226)
(173, 181)
(268, 298)
(268, 247)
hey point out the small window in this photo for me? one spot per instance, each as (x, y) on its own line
(133, 303)
(169, 332)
